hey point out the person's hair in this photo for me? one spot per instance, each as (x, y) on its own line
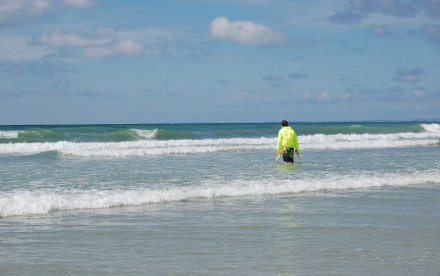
(284, 123)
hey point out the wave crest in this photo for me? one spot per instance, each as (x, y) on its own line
(433, 128)
(42, 202)
(161, 147)
(146, 133)
(8, 134)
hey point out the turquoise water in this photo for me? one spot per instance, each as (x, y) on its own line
(210, 199)
(119, 133)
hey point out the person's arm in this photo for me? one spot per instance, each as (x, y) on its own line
(280, 138)
(295, 142)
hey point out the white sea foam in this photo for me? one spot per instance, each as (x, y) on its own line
(44, 201)
(161, 147)
(146, 133)
(8, 134)
(360, 141)
(434, 128)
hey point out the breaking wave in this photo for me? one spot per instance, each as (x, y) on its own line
(8, 134)
(161, 147)
(433, 128)
(44, 201)
(146, 133)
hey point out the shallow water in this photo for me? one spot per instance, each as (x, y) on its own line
(378, 231)
(353, 204)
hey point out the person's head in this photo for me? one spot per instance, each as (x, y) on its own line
(284, 123)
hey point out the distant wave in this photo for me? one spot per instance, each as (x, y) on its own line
(30, 135)
(8, 134)
(161, 147)
(128, 135)
(125, 133)
(146, 133)
(433, 128)
(44, 201)
(81, 133)
(138, 148)
(142, 142)
(360, 141)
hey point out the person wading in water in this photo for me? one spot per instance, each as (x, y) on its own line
(288, 142)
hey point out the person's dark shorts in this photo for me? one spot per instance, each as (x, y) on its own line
(288, 155)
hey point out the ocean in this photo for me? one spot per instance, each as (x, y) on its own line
(210, 199)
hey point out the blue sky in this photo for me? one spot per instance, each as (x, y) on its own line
(96, 61)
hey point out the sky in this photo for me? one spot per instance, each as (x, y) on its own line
(177, 61)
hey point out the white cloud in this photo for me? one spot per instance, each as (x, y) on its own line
(79, 38)
(16, 6)
(122, 48)
(95, 44)
(16, 11)
(129, 47)
(102, 43)
(170, 42)
(244, 32)
(12, 11)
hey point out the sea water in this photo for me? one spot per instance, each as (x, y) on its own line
(364, 198)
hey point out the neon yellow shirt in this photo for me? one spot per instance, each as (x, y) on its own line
(287, 138)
